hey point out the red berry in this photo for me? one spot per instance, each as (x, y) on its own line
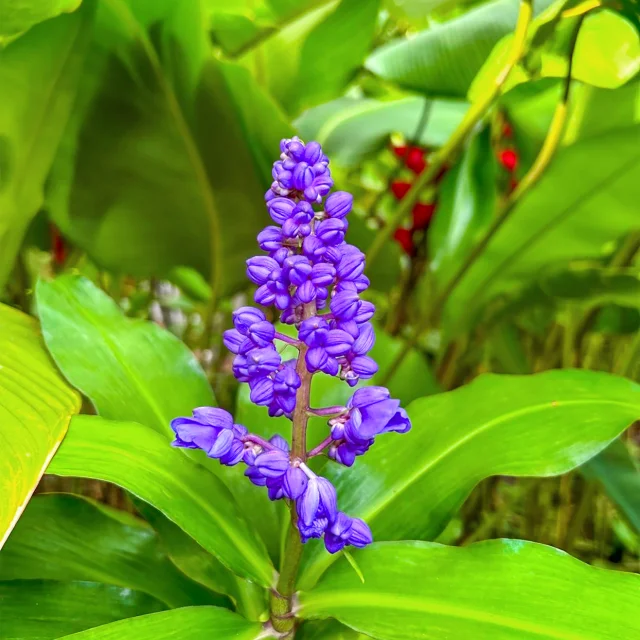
(415, 160)
(405, 239)
(58, 248)
(422, 214)
(400, 189)
(508, 159)
(401, 151)
(513, 183)
(507, 130)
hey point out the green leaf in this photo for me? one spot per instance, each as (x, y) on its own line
(560, 219)
(321, 630)
(129, 369)
(57, 539)
(409, 486)
(46, 609)
(197, 564)
(619, 474)
(18, 16)
(195, 623)
(607, 51)
(351, 128)
(465, 207)
(494, 590)
(164, 143)
(444, 59)
(141, 461)
(39, 74)
(35, 408)
(330, 42)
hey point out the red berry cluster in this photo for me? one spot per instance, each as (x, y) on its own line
(422, 213)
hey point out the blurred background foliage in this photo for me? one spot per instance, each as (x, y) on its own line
(496, 174)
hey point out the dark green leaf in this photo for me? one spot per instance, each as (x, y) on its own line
(46, 609)
(194, 623)
(444, 59)
(560, 219)
(495, 590)
(35, 408)
(130, 369)
(165, 143)
(466, 206)
(351, 128)
(65, 537)
(619, 474)
(142, 462)
(409, 486)
(39, 74)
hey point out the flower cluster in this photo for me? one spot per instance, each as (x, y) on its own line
(314, 279)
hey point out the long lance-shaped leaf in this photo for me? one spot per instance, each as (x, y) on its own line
(495, 590)
(409, 486)
(138, 459)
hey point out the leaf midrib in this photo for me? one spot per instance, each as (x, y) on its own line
(385, 601)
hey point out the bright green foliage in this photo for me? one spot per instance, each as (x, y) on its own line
(46, 609)
(18, 16)
(131, 370)
(57, 538)
(496, 590)
(141, 461)
(35, 408)
(543, 425)
(201, 623)
(39, 74)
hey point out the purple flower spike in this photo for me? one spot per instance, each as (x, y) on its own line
(308, 267)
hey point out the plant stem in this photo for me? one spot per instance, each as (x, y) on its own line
(475, 113)
(281, 596)
(320, 448)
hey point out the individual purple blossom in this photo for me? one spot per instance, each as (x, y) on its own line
(316, 282)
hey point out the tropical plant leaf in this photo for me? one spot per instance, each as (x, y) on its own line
(544, 228)
(164, 153)
(39, 75)
(201, 566)
(129, 369)
(35, 408)
(443, 60)
(494, 590)
(18, 16)
(619, 474)
(47, 609)
(69, 538)
(141, 461)
(195, 623)
(330, 42)
(351, 128)
(409, 486)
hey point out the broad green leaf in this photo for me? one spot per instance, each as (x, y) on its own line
(466, 206)
(18, 16)
(409, 486)
(197, 564)
(607, 51)
(321, 630)
(350, 128)
(562, 218)
(129, 369)
(195, 623)
(35, 408)
(444, 59)
(330, 43)
(494, 590)
(165, 143)
(68, 538)
(141, 461)
(39, 74)
(619, 474)
(47, 609)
